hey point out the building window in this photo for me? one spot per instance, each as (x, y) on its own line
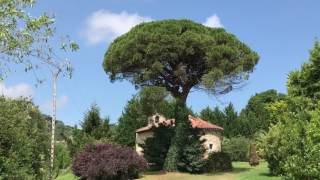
(157, 119)
(210, 146)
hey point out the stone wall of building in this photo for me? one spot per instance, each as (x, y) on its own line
(212, 142)
(140, 139)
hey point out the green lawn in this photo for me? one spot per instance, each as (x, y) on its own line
(241, 171)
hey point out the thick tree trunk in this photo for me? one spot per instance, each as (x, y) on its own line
(181, 97)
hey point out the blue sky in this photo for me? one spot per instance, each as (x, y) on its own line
(282, 32)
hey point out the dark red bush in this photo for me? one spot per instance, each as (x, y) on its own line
(108, 161)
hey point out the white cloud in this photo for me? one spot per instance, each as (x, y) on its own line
(213, 21)
(15, 91)
(62, 101)
(104, 26)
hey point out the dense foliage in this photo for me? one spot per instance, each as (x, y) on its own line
(29, 41)
(191, 157)
(186, 152)
(228, 119)
(78, 140)
(107, 161)
(93, 125)
(23, 140)
(305, 82)
(291, 146)
(237, 148)
(150, 100)
(219, 161)
(62, 157)
(214, 116)
(180, 55)
(63, 131)
(255, 118)
(179, 139)
(156, 148)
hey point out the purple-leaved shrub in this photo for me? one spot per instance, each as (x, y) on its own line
(108, 161)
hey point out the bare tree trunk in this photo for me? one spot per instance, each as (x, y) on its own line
(53, 123)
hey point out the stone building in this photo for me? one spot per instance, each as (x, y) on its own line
(210, 133)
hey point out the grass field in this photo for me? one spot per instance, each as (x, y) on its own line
(241, 171)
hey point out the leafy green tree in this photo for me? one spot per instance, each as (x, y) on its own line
(63, 158)
(291, 146)
(179, 140)
(130, 120)
(305, 82)
(180, 55)
(27, 40)
(104, 131)
(149, 101)
(23, 140)
(214, 116)
(77, 141)
(230, 120)
(153, 99)
(95, 126)
(255, 117)
(192, 153)
(30, 42)
(63, 131)
(286, 138)
(92, 121)
(237, 148)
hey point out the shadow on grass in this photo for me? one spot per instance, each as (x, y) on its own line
(154, 173)
(267, 175)
(236, 170)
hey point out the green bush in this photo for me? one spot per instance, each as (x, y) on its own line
(237, 148)
(179, 139)
(24, 140)
(219, 161)
(192, 156)
(155, 148)
(62, 157)
(291, 146)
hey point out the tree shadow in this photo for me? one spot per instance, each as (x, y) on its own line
(154, 172)
(236, 170)
(267, 175)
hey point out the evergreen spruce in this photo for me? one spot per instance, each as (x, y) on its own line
(192, 154)
(186, 152)
(92, 120)
(179, 139)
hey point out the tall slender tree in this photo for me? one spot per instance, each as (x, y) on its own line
(30, 42)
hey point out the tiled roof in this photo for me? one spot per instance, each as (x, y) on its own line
(202, 124)
(195, 123)
(143, 129)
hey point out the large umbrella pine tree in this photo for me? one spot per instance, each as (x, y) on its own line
(180, 55)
